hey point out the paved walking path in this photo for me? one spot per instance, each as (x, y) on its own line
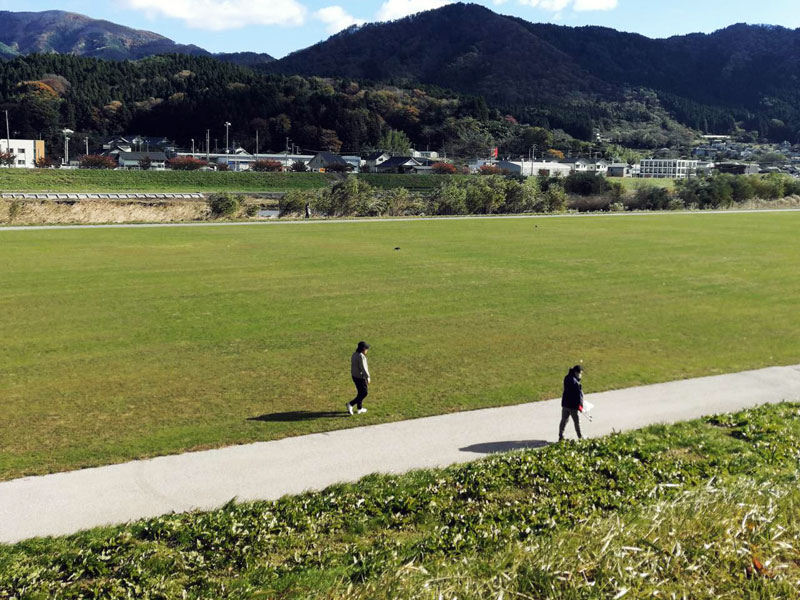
(663, 213)
(68, 502)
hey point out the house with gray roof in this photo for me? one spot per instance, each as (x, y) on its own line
(324, 161)
(133, 160)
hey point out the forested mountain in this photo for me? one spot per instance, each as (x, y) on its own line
(180, 97)
(745, 76)
(70, 33)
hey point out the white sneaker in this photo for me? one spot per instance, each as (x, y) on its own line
(350, 408)
(362, 411)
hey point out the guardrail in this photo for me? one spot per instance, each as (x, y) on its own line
(88, 196)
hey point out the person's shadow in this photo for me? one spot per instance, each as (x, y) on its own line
(494, 447)
(298, 415)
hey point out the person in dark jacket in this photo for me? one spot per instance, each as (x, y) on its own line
(572, 401)
(360, 373)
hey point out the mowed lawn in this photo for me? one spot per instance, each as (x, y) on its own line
(127, 343)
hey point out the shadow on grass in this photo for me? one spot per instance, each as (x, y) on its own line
(493, 447)
(298, 415)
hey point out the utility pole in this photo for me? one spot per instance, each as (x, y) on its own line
(87, 145)
(8, 135)
(208, 145)
(67, 133)
(227, 137)
(256, 144)
(192, 147)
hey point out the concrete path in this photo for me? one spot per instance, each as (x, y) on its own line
(664, 213)
(68, 502)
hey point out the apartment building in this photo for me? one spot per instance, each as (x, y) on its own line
(666, 168)
(26, 152)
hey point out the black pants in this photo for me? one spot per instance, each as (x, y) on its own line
(566, 413)
(363, 389)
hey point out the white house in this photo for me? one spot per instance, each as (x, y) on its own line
(579, 165)
(371, 161)
(26, 152)
(427, 154)
(133, 160)
(601, 167)
(525, 168)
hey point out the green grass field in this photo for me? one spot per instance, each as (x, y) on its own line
(120, 344)
(84, 180)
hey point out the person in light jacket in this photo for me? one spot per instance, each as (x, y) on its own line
(360, 372)
(572, 401)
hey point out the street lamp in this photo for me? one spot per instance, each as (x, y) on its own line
(192, 147)
(67, 133)
(227, 137)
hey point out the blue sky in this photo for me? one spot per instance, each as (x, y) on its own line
(282, 26)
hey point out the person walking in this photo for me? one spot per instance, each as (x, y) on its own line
(360, 372)
(572, 401)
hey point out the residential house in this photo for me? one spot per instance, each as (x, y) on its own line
(525, 168)
(399, 164)
(601, 167)
(579, 165)
(429, 154)
(136, 143)
(323, 161)
(738, 168)
(26, 152)
(371, 161)
(133, 160)
(619, 170)
(354, 162)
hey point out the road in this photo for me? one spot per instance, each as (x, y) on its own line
(65, 503)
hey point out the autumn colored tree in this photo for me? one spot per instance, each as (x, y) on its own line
(96, 161)
(556, 154)
(7, 159)
(442, 168)
(186, 163)
(267, 166)
(45, 162)
(492, 170)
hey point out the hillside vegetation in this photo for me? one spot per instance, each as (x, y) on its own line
(739, 77)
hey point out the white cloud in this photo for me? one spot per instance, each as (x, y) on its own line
(596, 4)
(218, 15)
(337, 18)
(397, 9)
(577, 5)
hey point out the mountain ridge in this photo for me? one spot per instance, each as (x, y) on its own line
(743, 73)
(63, 32)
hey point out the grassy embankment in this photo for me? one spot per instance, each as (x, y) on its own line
(119, 344)
(631, 185)
(56, 180)
(702, 510)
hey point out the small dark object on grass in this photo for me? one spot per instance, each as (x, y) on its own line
(397, 248)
